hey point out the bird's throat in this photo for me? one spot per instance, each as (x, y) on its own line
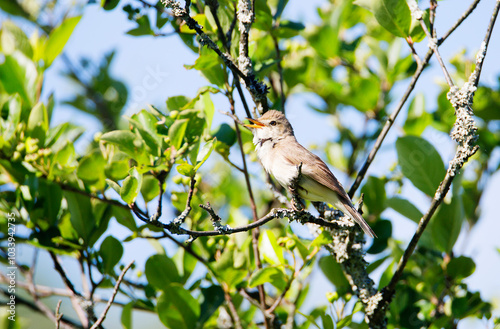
(264, 140)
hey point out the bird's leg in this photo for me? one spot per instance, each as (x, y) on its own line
(297, 204)
(294, 187)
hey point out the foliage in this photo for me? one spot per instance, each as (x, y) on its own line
(66, 199)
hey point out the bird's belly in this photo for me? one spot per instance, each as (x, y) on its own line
(314, 191)
(282, 171)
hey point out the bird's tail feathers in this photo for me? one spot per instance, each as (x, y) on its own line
(356, 216)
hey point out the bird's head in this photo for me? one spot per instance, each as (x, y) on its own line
(273, 124)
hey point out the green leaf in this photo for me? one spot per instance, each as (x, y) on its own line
(420, 163)
(131, 186)
(111, 251)
(14, 8)
(177, 103)
(225, 134)
(127, 142)
(446, 224)
(144, 27)
(13, 38)
(384, 232)
(405, 208)
(418, 118)
(288, 29)
(58, 38)
(327, 321)
(161, 272)
(91, 167)
(117, 170)
(18, 74)
(125, 218)
(109, 4)
(207, 107)
(393, 15)
(144, 122)
(345, 321)
(334, 274)
(114, 185)
(150, 188)
(374, 191)
(126, 317)
(82, 218)
(186, 169)
(461, 307)
(205, 152)
(269, 248)
(322, 239)
(210, 65)
(213, 297)
(185, 263)
(38, 123)
(270, 275)
(177, 131)
(460, 267)
(177, 308)
(416, 32)
(263, 12)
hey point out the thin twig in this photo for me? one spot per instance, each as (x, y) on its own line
(459, 21)
(414, 53)
(161, 181)
(70, 188)
(433, 45)
(36, 301)
(63, 275)
(280, 72)
(233, 116)
(110, 302)
(432, 16)
(226, 42)
(233, 312)
(65, 323)
(388, 124)
(58, 315)
(484, 46)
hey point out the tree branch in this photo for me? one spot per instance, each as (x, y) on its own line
(63, 275)
(464, 133)
(388, 124)
(459, 21)
(110, 302)
(393, 116)
(64, 322)
(257, 89)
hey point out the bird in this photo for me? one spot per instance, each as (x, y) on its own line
(282, 156)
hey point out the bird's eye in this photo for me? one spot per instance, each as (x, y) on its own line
(272, 123)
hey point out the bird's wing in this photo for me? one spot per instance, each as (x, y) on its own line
(325, 177)
(322, 174)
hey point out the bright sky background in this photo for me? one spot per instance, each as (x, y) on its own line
(140, 60)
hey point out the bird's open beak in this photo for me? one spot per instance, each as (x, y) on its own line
(256, 124)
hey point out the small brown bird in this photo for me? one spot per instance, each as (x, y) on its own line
(281, 156)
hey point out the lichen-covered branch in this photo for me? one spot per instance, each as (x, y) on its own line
(464, 133)
(257, 89)
(388, 124)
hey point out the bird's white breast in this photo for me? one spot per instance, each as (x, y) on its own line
(274, 162)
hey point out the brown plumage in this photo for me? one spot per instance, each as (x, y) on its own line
(281, 154)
